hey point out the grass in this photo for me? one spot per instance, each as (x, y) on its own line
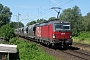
(84, 38)
(30, 51)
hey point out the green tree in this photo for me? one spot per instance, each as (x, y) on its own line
(16, 25)
(86, 22)
(30, 23)
(74, 16)
(1, 23)
(5, 15)
(41, 20)
(7, 32)
(38, 21)
(52, 18)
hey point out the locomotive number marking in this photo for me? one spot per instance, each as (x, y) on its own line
(62, 33)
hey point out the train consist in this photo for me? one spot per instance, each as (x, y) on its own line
(52, 33)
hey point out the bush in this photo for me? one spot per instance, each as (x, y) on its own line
(7, 32)
(30, 51)
(84, 37)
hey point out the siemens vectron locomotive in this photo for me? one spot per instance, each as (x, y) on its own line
(52, 33)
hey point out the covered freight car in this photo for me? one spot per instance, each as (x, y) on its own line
(31, 31)
(25, 31)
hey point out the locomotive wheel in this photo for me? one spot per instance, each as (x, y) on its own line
(49, 45)
(53, 46)
(66, 46)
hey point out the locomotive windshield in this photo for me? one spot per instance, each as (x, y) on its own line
(58, 26)
(63, 26)
(66, 26)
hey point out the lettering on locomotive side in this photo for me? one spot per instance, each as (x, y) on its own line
(38, 29)
(62, 33)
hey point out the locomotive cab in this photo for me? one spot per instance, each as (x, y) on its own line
(62, 30)
(62, 33)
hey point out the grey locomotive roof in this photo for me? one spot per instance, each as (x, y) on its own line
(53, 21)
(58, 21)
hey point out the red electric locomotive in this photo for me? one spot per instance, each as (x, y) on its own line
(54, 32)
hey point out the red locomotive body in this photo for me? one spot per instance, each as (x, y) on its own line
(54, 32)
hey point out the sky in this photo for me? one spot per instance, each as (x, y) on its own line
(30, 10)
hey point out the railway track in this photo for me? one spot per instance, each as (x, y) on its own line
(79, 54)
(73, 53)
(85, 47)
(70, 54)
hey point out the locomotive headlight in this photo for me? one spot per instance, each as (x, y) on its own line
(53, 36)
(70, 36)
(61, 22)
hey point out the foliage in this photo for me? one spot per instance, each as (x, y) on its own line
(74, 16)
(30, 23)
(7, 32)
(40, 20)
(86, 22)
(5, 15)
(52, 18)
(84, 37)
(16, 25)
(30, 51)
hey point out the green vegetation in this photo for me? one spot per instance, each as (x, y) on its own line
(38, 21)
(16, 25)
(30, 51)
(80, 30)
(51, 18)
(5, 15)
(84, 38)
(74, 16)
(7, 32)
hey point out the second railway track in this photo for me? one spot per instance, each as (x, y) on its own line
(85, 47)
(79, 54)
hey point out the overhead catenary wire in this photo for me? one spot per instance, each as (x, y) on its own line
(44, 4)
(66, 3)
(38, 11)
(24, 17)
(56, 5)
(51, 6)
(49, 10)
(45, 12)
